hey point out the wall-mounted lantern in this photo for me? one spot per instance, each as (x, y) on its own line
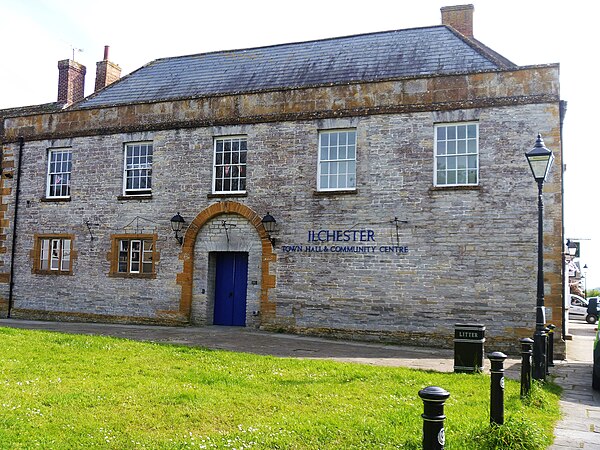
(572, 248)
(176, 224)
(270, 225)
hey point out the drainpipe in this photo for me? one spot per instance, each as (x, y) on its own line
(565, 319)
(14, 233)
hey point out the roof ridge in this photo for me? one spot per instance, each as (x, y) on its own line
(335, 38)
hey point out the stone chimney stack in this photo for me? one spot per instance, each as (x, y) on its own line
(460, 18)
(71, 81)
(106, 72)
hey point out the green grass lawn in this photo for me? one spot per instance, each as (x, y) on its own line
(60, 391)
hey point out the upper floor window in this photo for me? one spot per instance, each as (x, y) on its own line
(456, 154)
(53, 254)
(138, 168)
(337, 160)
(133, 255)
(230, 164)
(59, 173)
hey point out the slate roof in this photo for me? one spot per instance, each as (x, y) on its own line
(365, 57)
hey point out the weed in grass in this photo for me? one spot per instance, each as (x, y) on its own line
(517, 433)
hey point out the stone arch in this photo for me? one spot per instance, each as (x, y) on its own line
(186, 277)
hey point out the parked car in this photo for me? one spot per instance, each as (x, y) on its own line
(596, 368)
(578, 307)
(593, 310)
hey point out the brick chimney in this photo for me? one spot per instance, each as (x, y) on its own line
(106, 72)
(460, 18)
(71, 81)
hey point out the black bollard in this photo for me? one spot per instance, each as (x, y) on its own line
(540, 344)
(497, 388)
(547, 332)
(526, 351)
(550, 357)
(434, 436)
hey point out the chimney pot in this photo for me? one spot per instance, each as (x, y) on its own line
(106, 72)
(460, 18)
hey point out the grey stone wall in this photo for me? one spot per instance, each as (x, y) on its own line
(470, 253)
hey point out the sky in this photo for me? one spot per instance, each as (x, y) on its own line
(36, 34)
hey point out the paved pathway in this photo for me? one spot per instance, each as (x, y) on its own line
(580, 405)
(579, 428)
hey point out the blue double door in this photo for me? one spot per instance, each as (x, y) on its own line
(231, 283)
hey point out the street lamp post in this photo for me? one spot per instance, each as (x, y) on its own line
(540, 159)
(585, 268)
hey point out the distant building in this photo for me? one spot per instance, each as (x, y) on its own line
(392, 163)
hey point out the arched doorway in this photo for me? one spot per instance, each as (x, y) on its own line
(258, 248)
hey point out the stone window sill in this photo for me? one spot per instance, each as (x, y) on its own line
(335, 193)
(55, 199)
(454, 188)
(228, 195)
(135, 197)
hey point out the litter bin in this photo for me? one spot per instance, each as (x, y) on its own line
(468, 347)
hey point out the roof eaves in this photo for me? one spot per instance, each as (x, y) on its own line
(31, 110)
(300, 87)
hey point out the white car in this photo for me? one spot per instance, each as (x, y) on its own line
(578, 307)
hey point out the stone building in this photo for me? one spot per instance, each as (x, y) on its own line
(392, 164)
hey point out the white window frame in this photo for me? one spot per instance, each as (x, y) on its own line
(241, 166)
(142, 166)
(454, 155)
(55, 254)
(58, 175)
(340, 158)
(144, 252)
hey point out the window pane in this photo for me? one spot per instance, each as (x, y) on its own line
(352, 152)
(461, 132)
(441, 177)
(441, 163)
(472, 131)
(44, 254)
(472, 177)
(65, 263)
(324, 184)
(451, 177)
(472, 146)
(441, 133)
(441, 148)
(452, 147)
(472, 162)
